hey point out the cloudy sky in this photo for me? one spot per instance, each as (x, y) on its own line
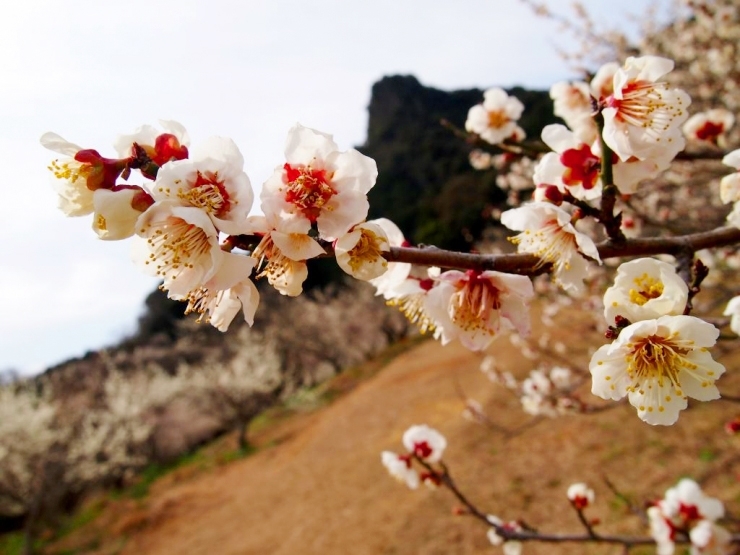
(248, 70)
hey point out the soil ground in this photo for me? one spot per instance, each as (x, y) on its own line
(315, 485)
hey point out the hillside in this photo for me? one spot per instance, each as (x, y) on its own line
(316, 485)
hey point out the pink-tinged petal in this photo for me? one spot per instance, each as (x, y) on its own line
(651, 68)
(616, 137)
(297, 246)
(732, 159)
(343, 211)
(559, 138)
(353, 170)
(218, 148)
(55, 143)
(250, 298)
(234, 268)
(308, 146)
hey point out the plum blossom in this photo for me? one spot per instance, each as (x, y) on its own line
(644, 289)
(547, 392)
(729, 187)
(79, 173)
(182, 249)
(212, 180)
(472, 306)
(397, 272)
(117, 210)
(572, 103)
(219, 306)
(708, 538)
(642, 115)
(572, 167)
(549, 234)
(686, 509)
(283, 250)
(399, 466)
(320, 184)
(580, 495)
(510, 547)
(161, 146)
(733, 310)
(360, 252)
(710, 126)
(658, 364)
(495, 119)
(425, 443)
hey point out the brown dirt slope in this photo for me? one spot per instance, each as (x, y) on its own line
(317, 485)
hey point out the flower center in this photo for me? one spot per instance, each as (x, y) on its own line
(472, 304)
(657, 358)
(551, 243)
(647, 288)
(422, 449)
(175, 245)
(497, 119)
(582, 167)
(644, 105)
(308, 189)
(208, 193)
(367, 250)
(709, 131)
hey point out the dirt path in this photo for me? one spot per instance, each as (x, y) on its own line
(322, 489)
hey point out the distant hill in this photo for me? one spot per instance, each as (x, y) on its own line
(426, 184)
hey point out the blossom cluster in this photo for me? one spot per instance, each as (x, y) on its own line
(195, 204)
(687, 512)
(423, 444)
(661, 356)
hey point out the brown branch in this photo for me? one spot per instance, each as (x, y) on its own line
(531, 265)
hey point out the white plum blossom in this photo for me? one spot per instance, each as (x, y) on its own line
(580, 495)
(79, 173)
(213, 180)
(480, 159)
(645, 289)
(509, 547)
(181, 246)
(397, 272)
(320, 184)
(473, 306)
(425, 443)
(602, 83)
(658, 364)
(572, 102)
(171, 143)
(572, 167)
(729, 187)
(495, 119)
(116, 211)
(708, 538)
(686, 509)
(218, 302)
(411, 296)
(399, 466)
(360, 252)
(733, 310)
(549, 234)
(283, 250)
(643, 115)
(709, 126)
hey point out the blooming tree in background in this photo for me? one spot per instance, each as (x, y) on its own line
(590, 194)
